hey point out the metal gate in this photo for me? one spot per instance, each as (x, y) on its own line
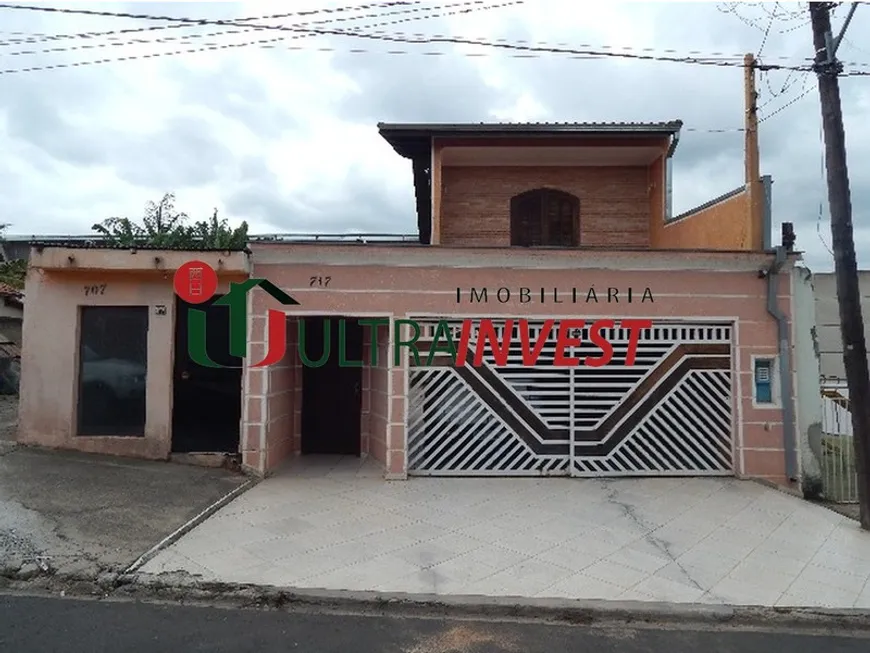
(839, 472)
(668, 414)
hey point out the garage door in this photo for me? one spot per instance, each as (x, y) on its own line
(668, 414)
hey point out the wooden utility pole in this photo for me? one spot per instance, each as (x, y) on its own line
(754, 187)
(845, 266)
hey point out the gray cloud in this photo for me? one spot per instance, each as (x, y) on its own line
(415, 89)
(233, 93)
(356, 203)
(45, 115)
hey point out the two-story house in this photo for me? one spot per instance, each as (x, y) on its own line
(532, 226)
(538, 222)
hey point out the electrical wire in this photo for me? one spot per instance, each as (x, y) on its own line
(787, 104)
(705, 60)
(766, 34)
(174, 25)
(191, 22)
(530, 51)
(464, 7)
(712, 59)
(807, 76)
(822, 200)
(187, 38)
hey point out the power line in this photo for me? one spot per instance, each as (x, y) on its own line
(524, 53)
(418, 37)
(711, 59)
(787, 104)
(191, 22)
(530, 51)
(821, 201)
(708, 61)
(187, 24)
(185, 39)
(464, 7)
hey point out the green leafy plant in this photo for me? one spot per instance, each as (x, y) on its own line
(164, 227)
(14, 272)
(217, 234)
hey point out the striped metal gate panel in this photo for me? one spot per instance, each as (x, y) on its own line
(668, 414)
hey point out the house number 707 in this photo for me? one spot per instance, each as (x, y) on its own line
(319, 282)
(95, 290)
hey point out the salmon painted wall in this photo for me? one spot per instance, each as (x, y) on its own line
(50, 353)
(372, 289)
(723, 226)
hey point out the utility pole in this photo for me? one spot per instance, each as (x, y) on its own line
(845, 266)
(754, 188)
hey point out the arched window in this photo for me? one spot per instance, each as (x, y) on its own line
(545, 218)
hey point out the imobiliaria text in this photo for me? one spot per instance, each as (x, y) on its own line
(196, 283)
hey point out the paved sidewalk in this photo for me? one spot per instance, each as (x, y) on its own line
(337, 525)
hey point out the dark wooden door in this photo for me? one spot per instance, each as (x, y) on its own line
(332, 392)
(207, 402)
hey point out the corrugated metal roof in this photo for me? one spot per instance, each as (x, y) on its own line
(667, 127)
(334, 238)
(82, 243)
(414, 140)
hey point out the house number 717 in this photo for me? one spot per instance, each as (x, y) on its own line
(95, 290)
(319, 282)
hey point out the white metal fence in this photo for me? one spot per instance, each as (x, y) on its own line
(839, 477)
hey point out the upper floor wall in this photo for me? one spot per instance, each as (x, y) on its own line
(579, 185)
(727, 222)
(544, 206)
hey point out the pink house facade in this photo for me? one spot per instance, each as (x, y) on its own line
(522, 223)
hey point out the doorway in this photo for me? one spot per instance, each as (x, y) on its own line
(206, 402)
(332, 393)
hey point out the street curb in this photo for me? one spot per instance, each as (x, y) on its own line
(566, 611)
(190, 525)
(191, 590)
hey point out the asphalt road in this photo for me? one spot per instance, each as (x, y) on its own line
(43, 625)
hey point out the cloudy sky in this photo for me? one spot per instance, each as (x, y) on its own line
(279, 127)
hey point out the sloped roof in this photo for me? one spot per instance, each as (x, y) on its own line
(408, 138)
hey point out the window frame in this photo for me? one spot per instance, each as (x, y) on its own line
(519, 236)
(80, 429)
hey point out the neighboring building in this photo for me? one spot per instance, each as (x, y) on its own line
(510, 207)
(828, 322)
(11, 314)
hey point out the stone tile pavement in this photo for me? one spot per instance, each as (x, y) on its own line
(335, 524)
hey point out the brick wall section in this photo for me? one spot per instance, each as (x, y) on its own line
(298, 387)
(379, 400)
(396, 455)
(614, 203)
(255, 385)
(273, 403)
(723, 226)
(366, 408)
(281, 436)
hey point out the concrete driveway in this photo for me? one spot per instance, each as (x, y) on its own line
(84, 513)
(337, 525)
